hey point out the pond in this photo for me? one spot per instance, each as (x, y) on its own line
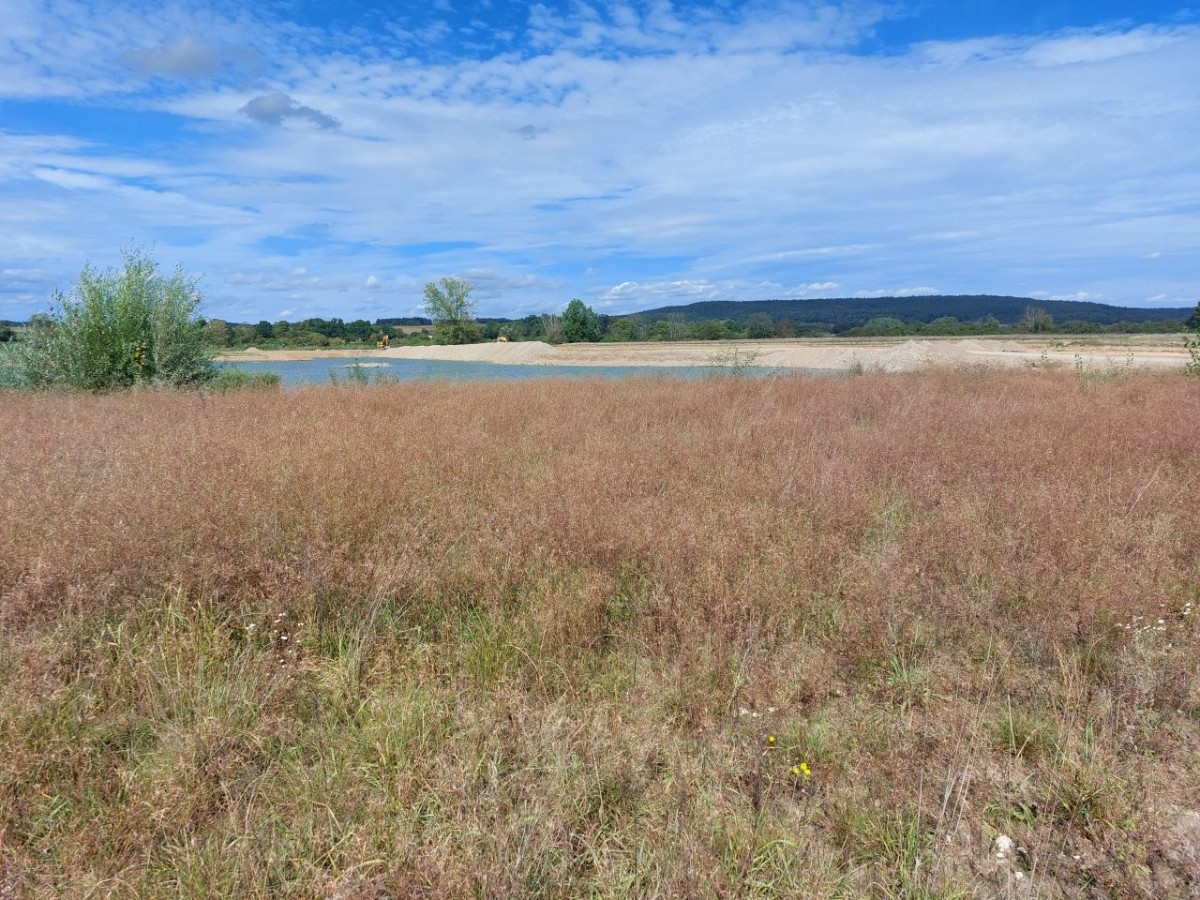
(325, 371)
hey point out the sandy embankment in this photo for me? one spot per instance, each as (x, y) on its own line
(814, 354)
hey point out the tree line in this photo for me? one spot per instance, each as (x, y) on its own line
(313, 332)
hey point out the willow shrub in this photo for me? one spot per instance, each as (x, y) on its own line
(118, 329)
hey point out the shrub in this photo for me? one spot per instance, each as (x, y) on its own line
(118, 329)
(880, 326)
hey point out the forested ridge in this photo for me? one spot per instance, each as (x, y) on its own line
(849, 312)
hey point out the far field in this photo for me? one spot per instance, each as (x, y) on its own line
(916, 635)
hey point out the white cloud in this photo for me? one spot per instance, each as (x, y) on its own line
(1079, 296)
(922, 291)
(660, 292)
(1099, 46)
(72, 180)
(26, 276)
(643, 155)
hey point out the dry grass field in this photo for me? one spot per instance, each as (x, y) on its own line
(783, 637)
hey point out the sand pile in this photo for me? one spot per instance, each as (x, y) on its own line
(971, 346)
(913, 355)
(908, 356)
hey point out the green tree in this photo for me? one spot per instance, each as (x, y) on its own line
(119, 328)
(579, 323)
(944, 325)
(6, 333)
(1193, 321)
(759, 325)
(216, 332)
(450, 306)
(881, 326)
(628, 329)
(990, 324)
(1036, 320)
(668, 330)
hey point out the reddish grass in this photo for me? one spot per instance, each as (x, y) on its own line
(919, 584)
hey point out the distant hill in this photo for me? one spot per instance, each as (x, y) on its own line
(849, 312)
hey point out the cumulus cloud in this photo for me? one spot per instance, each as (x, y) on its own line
(689, 290)
(275, 109)
(491, 284)
(187, 57)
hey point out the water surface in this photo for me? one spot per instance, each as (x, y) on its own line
(324, 371)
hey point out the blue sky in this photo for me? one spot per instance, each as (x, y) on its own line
(328, 159)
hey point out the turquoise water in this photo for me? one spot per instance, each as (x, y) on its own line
(323, 371)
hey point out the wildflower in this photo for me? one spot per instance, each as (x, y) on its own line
(771, 739)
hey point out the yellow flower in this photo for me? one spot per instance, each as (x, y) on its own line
(771, 739)
(805, 770)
